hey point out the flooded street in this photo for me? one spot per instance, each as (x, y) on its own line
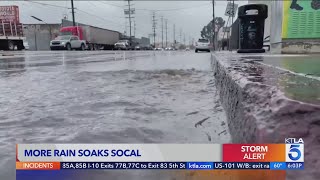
(107, 97)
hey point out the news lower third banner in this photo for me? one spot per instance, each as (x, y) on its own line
(160, 156)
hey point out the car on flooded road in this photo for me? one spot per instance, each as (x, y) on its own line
(169, 49)
(67, 43)
(122, 45)
(202, 45)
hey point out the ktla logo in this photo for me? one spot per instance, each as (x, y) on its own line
(294, 150)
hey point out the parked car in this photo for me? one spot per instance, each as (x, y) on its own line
(26, 45)
(122, 45)
(202, 45)
(158, 49)
(137, 47)
(68, 42)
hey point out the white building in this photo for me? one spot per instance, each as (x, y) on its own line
(224, 33)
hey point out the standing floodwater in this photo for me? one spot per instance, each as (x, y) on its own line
(107, 97)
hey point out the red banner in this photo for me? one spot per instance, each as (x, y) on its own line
(9, 14)
(254, 153)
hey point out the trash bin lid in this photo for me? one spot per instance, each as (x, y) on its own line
(260, 9)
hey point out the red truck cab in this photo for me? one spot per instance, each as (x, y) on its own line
(72, 30)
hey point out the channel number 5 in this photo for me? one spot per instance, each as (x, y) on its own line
(294, 152)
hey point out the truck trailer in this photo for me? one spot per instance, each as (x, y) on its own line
(11, 33)
(96, 38)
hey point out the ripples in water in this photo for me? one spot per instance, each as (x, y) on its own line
(72, 106)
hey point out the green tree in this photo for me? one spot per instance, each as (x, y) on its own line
(207, 31)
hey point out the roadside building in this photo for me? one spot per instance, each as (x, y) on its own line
(39, 36)
(223, 38)
(143, 41)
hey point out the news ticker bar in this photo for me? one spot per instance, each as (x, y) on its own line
(160, 165)
(160, 152)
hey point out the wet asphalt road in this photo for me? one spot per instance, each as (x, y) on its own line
(107, 97)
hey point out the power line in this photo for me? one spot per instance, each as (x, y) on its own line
(57, 6)
(119, 25)
(98, 17)
(177, 9)
(82, 11)
(44, 4)
(118, 6)
(104, 19)
(113, 16)
(141, 30)
(64, 7)
(92, 3)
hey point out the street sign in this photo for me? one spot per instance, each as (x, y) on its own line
(231, 10)
(126, 11)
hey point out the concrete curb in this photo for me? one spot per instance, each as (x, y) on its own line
(261, 113)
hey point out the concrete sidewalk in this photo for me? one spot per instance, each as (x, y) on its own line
(272, 97)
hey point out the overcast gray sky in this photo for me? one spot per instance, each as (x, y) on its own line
(188, 16)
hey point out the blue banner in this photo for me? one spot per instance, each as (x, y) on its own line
(278, 166)
(123, 165)
(200, 165)
(295, 166)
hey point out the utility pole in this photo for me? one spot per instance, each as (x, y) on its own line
(125, 27)
(129, 21)
(233, 14)
(72, 10)
(174, 34)
(154, 28)
(184, 39)
(166, 32)
(213, 27)
(134, 28)
(162, 31)
(35, 39)
(180, 35)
